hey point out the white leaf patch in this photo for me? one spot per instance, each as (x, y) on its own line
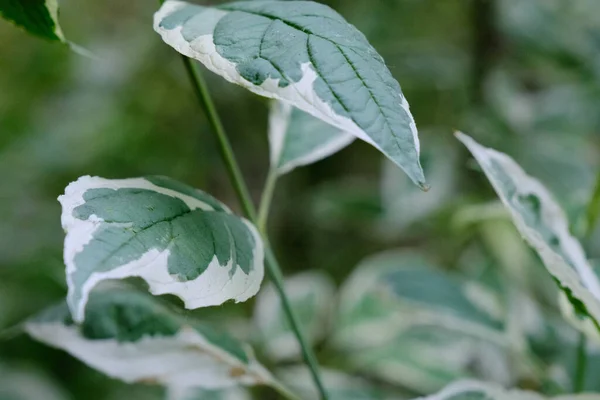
(201, 254)
(542, 223)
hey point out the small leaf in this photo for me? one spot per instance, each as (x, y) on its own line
(297, 138)
(304, 54)
(180, 240)
(464, 390)
(311, 295)
(543, 224)
(38, 17)
(134, 337)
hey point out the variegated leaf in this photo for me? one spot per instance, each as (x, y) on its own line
(180, 240)
(407, 322)
(38, 17)
(543, 224)
(311, 295)
(396, 290)
(305, 54)
(467, 390)
(297, 138)
(132, 336)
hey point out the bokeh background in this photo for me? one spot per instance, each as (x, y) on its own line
(520, 76)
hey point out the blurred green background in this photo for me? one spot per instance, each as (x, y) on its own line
(522, 76)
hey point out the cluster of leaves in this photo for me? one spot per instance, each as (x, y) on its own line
(399, 318)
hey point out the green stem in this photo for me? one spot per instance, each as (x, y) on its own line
(579, 379)
(243, 194)
(592, 214)
(593, 210)
(267, 197)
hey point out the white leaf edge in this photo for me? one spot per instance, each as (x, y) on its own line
(300, 94)
(279, 121)
(184, 360)
(213, 287)
(496, 392)
(268, 310)
(582, 282)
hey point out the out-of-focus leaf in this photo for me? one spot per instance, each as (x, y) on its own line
(38, 17)
(394, 291)
(465, 390)
(544, 226)
(297, 138)
(307, 55)
(24, 383)
(180, 240)
(312, 297)
(132, 336)
(205, 394)
(407, 322)
(339, 385)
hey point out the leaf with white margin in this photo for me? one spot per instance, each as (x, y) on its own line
(396, 290)
(428, 357)
(305, 54)
(312, 296)
(543, 225)
(339, 385)
(235, 393)
(38, 17)
(180, 240)
(475, 390)
(297, 138)
(132, 336)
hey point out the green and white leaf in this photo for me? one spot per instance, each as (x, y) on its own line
(543, 224)
(393, 291)
(474, 390)
(426, 358)
(235, 393)
(38, 17)
(132, 336)
(312, 297)
(178, 239)
(304, 54)
(297, 138)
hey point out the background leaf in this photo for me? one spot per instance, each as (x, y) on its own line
(38, 17)
(297, 138)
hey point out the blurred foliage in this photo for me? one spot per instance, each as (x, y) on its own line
(521, 76)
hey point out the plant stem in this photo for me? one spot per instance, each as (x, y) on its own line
(233, 170)
(593, 210)
(592, 214)
(249, 209)
(579, 379)
(267, 197)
